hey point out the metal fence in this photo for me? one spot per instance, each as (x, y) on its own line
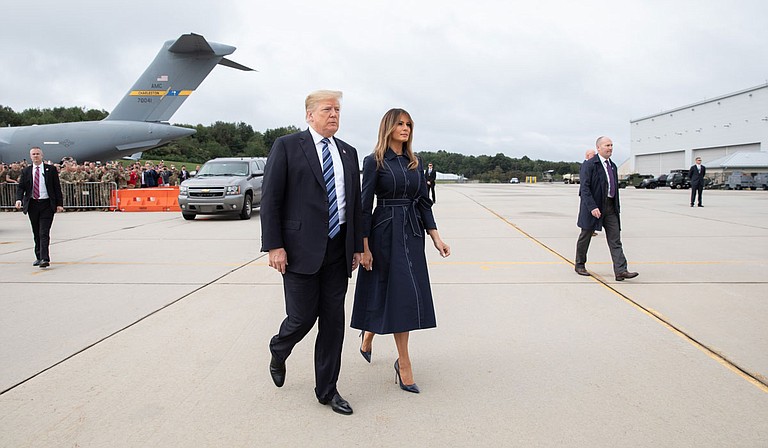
(80, 196)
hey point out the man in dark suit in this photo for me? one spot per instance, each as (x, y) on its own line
(431, 174)
(582, 170)
(39, 194)
(696, 174)
(311, 226)
(183, 174)
(600, 208)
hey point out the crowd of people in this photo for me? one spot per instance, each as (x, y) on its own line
(133, 175)
(99, 179)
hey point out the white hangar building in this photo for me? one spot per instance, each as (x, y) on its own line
(713, 129)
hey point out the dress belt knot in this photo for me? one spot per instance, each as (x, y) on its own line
(410, 213)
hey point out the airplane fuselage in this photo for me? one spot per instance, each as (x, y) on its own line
(88, 140)
(139, 121)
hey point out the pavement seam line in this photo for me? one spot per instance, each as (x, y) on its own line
(116, 332)
(751, 378)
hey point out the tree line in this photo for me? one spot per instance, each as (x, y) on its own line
(498, 168)
(222, 139)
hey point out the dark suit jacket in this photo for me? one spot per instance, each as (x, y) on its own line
(151, 178)
(294, 203)
(696, 177)
(52, 184)
(583, 171)
(431, 177)
(593, 189)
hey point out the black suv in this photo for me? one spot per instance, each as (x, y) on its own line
(678, 180)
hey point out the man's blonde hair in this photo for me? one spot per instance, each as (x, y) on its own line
(321, 95)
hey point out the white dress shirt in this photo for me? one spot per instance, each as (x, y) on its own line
(43, 190)
(607, 176)
(338, 171)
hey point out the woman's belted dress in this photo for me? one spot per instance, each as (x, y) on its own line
(395, 296)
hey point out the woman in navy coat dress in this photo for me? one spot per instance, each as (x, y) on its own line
(393, 294)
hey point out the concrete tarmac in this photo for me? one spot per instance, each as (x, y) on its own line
(149, 330)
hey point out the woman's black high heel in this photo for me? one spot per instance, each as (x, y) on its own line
(366, 355)
(406, 387)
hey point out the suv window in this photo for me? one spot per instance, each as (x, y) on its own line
(224, 169)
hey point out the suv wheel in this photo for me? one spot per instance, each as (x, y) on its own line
(245, 213)
(188, 216)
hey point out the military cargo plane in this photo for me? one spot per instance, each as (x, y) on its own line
(140, 121)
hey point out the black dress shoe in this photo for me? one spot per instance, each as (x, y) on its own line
(37, 262)
(277, 371)
(44, 264)
(699, 205)
(582, 271)
(626, 274)
(338, 404)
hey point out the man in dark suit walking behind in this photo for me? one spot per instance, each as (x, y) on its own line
(600, 208)
(39, 194)
(431, 174)
(696, 174)
(311, 226)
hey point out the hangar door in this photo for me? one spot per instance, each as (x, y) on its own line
(648, 164)
(722, 151)
(657, 164)
(673, 161)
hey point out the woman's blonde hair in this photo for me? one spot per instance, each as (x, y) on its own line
(388, 123)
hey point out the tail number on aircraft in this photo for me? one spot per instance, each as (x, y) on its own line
(144, 100)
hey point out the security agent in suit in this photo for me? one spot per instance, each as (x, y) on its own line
(40, 203)
(296, 228)
(696, 174)
(588, 154)
(431, 175)
(600, 208)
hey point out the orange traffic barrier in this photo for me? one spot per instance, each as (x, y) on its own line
(158, 199)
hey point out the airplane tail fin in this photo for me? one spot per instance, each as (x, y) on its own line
(178, 69)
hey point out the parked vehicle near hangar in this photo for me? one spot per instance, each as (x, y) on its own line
(740, 181)
(639, 181)
(678, 180)
(224, 185)
(761, 181)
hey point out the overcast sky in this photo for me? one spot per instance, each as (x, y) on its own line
(536, 78)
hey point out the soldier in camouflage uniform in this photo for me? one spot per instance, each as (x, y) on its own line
(174, 176)
(13, 175)
(80, 178)
(108, 179)
(67, 178)
(122, 176)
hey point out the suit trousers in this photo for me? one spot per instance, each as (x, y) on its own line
(41, 217)
(696, 189)
(317, 297)
(612, 235)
